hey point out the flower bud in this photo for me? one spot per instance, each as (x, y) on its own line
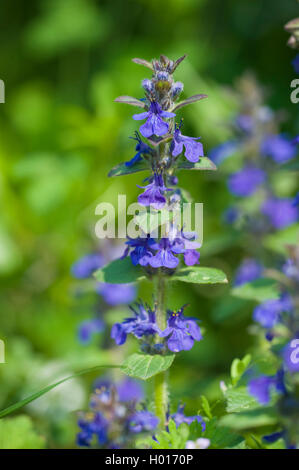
(176, 89)
(147, 85)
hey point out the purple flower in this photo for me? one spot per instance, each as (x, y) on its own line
(291, 270)
(176, 243)
(281, 212)
(179, 418)
(193, 149)
(176, 89)
(141, 148)
(295, 64)
(143, 250)
(143, 421)
(165, 254)
(248, 271)
(98, 426)
(142, 324)
(85, 266)
(245, 123)
(268, 314)
(279, 148)
(231, 215)
(129, 390)
(117, 294)
(88, 328)
(246, 181)
(223, 151)
(291, 355)
(181, 331)
(154, 124)
(153, 194)
(261, 387)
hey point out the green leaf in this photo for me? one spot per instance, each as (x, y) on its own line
(34, 396)
(190, 100)
(143, 62)
(121, 169)
(130, 100)
(203, 164)
(238, 368)
(206, 406)
(259, 290)
(238, 399)
(220, 437)
(250, 419)
(198, 275)
(19, 433)
(144, 366)
(176, 438)
(120, 271)
(278, 241)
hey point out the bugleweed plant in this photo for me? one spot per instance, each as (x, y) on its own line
(172, 256)
(268, 275)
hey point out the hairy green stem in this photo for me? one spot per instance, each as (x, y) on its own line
(160, 384)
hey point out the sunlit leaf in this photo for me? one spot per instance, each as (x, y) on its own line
(198, 275)
(120, 271)
(144, 366)
(259, 290)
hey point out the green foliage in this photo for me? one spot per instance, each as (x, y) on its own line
(199, 275)
(175, 438)
(259, 290)
(238, 368)
(120, 271)
(34, 396)
(251, 419)
(19, 433)
(121, 169)
(279, 240)
(203, 164)
(145, 366)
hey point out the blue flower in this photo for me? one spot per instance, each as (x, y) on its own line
(280, 212)
(154, 124)
(193, 149)
(176, 89)
(96, 425)
(268, 314)
(291, 269)
(143, 421)
(85, 266)
(231, 215)
(142, 324)
(278, 147)
(181, 331)
(154, 193)
(291, 355)
(261, 387)
(176, 243)
(179, 418)
(129, 390)
(223, 151)
(245, 123)
(142, 250)
(141, 148)
(165, 254)
(117, 294)
(295, 63)
(88, 328)
(246, 181)
(248, 271)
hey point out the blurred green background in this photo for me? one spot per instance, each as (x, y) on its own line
(63, 63)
